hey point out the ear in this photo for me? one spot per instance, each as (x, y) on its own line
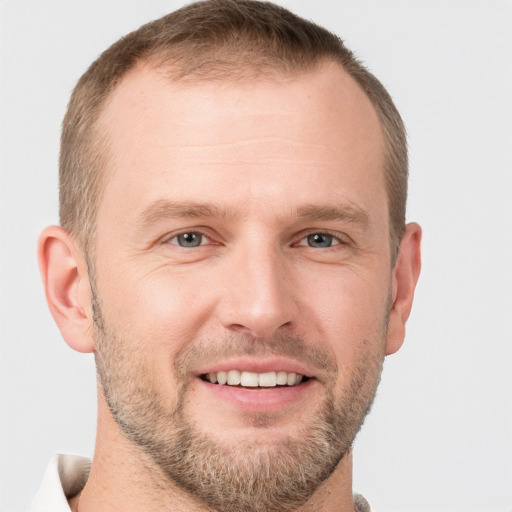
(405, 276)
(66, 282)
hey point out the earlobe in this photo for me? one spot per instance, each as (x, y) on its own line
(405, 276)
(66, 281)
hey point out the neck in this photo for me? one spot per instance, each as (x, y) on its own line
(123, 478)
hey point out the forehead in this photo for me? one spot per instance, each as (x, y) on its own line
(245, 142)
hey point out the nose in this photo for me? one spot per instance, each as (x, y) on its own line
(259, 297)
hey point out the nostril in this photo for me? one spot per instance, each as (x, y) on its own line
(259, 331)
(237, 328)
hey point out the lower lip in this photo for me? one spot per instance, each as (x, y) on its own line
(259, 399)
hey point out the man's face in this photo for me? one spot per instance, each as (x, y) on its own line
(243, 229)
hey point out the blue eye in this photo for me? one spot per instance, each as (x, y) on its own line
(319, 240)
(188, 239)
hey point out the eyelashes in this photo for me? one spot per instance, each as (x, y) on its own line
(320, 240)
(316, 240)
(190, 239)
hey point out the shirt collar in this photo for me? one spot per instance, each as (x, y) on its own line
(65, 477)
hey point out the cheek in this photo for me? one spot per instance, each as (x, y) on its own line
(149, 322)
(161, 308)
(347, 310)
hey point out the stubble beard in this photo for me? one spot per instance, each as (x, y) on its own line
(253, 476)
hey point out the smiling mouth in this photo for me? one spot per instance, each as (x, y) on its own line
(253, 380)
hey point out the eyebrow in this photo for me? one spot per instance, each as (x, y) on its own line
(163, 209)
(351, 213)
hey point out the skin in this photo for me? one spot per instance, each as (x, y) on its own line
(273, 160)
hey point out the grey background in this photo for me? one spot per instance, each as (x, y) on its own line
(439, 437)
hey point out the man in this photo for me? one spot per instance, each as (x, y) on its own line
(234, 251)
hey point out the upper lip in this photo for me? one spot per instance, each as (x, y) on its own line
(257, 366)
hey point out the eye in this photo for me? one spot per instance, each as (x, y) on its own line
(192, 239)
(320, 240)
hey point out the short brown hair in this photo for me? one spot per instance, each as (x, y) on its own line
(212, 39)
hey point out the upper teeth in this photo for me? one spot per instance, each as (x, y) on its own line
(254, 380)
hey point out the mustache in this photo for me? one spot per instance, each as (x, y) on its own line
(320, 359)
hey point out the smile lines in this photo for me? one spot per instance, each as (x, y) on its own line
(254, 380)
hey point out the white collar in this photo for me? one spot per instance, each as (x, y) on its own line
(65, 477)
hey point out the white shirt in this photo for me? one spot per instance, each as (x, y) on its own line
(67, 475)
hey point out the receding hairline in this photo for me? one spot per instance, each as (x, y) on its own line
(172, 73)
(224, 40)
